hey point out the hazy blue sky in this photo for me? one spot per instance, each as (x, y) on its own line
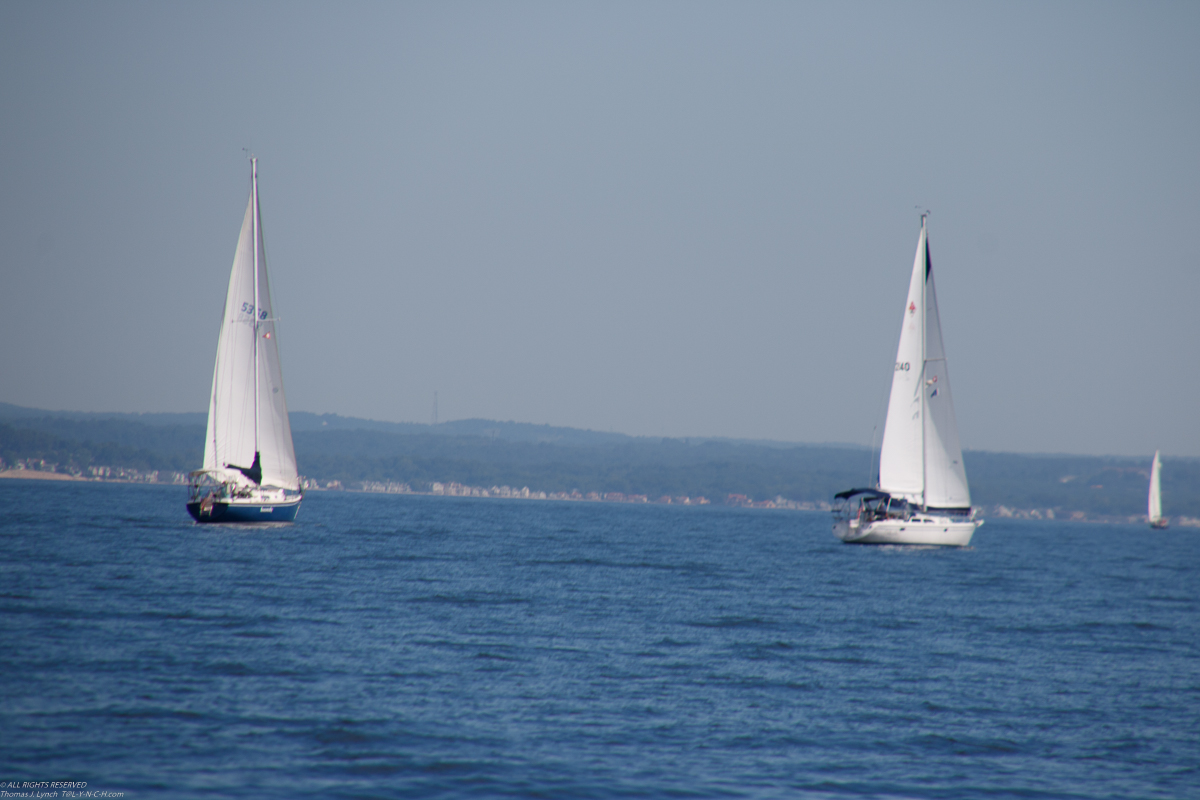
(682, 219)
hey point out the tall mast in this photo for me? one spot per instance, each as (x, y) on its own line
(254, 326)
(924, 361)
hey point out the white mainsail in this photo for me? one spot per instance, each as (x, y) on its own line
(247, 414)
(920, 459)
(1155, 502)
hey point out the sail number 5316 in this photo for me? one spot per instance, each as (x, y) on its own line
(248, 308)
(901, 366)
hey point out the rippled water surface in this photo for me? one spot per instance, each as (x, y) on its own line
(435, 647)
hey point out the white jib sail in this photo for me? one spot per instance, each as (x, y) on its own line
(238, 426)
(920, 458)
(901, 456)
(1155, 505)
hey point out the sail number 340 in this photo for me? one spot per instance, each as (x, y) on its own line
(901, 366)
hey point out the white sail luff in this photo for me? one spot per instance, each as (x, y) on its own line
(1154, 510)
(901, 456)
(230, 437)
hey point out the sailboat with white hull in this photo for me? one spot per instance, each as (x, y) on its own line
(1154, 505)
(249, 472)
(921, 496)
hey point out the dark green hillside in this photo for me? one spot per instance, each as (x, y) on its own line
(76, 456)
(164, 439)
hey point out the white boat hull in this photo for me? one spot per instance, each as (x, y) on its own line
(931, 531)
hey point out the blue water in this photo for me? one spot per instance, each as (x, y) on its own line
(390, 646)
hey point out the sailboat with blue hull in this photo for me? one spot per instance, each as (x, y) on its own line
(249, 472)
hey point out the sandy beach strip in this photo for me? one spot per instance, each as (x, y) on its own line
(33, 474)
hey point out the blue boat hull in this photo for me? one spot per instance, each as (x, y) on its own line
(242, 512)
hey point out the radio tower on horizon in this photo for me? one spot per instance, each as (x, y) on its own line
(434, 423)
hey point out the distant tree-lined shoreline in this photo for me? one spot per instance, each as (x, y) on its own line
(562, 460)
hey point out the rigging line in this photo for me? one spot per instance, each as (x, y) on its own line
(924, 358)
(254, 170)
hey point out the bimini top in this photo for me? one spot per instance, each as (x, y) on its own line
(873, 493)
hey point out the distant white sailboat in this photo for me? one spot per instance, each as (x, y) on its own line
(1154, 510)
(921, 496)
(249, 472)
